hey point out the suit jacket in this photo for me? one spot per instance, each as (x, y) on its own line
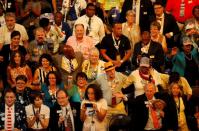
(64, 73)
(171, 115)
(75, 107)
(66, 29)
(146, 11)
(170, 25)
(155, 53)
(19, 117)
(141, 113)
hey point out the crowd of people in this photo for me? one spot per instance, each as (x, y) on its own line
(99, 65)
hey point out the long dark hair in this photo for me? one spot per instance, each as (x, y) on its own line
(12, 61)
(97, 92)
(57, 76)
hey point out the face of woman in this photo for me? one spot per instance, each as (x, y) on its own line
(130, 18)
(20, 85)
(81, 82)
(15, 41)
(154, 31)
(52, 79)
(175, 90)
(91, 94)
(37, 102)
(187, 48)
(45, 63)
(94, 57)
(17, 58)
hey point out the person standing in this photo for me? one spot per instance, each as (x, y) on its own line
(13, 116)
(65, 114)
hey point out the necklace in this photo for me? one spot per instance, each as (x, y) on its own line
(188, 57)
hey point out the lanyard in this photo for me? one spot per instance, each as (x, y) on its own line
(115, 43)
(37, 121)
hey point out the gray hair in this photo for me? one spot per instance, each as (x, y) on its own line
(186, 39)
(10, 14)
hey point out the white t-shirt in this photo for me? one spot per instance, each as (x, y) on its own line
(44, 113)
(99, 125)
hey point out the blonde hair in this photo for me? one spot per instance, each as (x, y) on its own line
(94, 50)
(130, 12)
(172, 85)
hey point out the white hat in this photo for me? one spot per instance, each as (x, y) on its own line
(145, 61)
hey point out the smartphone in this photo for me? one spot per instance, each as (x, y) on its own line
(88, 104)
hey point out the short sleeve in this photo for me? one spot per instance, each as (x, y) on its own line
(102, 104)
(28, 110)
(24, 33)
(46, 112)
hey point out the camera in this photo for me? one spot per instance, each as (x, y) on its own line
(88, 105)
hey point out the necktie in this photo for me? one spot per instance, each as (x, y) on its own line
(71, 65)
(9, 120)
(89, 26)
(69, 126)
(154, 116)
(159, 18)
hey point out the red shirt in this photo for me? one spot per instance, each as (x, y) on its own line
(173, 6)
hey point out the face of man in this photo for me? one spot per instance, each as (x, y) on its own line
(117, 29)
(110, 74)
(10, 99)
(15, 41)
(58, 19)
(79, 31)
(62, 98)
(159, 10)
(69, 52)
(90, 11)
(40, 36)
(144, 70)
(149, 91)
(146, 37)
(10, 22)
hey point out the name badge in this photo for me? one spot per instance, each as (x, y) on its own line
(145, 13)
(114, 16)
(152, 56)
(59, 111)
